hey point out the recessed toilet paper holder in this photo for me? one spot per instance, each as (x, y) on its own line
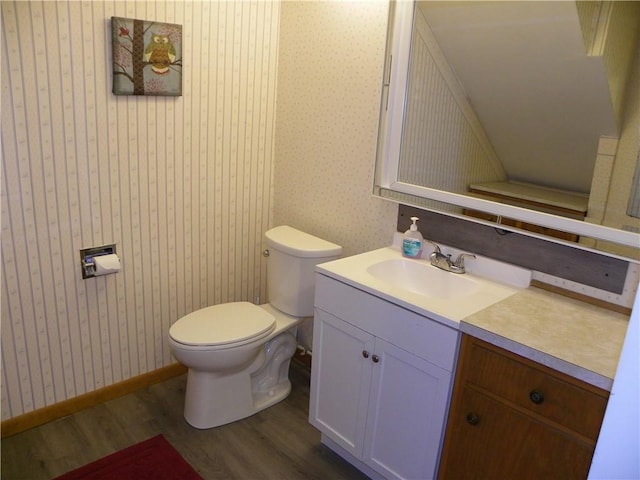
(87, 255)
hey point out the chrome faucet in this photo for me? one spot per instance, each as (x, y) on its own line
(444, 262)
(436, 247)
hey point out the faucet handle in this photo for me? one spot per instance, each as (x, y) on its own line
(436, 247)
(459, 262)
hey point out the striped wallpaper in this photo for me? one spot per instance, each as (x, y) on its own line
(184, 186)
(439, 116)
(181, 185)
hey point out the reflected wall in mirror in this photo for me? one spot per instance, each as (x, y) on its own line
(521, 113)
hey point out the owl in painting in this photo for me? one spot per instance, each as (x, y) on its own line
(160, 53)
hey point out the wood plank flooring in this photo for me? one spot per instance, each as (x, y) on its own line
(277, 443)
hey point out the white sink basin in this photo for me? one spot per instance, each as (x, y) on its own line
(422, 278)
(420, 287)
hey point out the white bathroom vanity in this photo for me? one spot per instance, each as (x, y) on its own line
(381, 380)
(386, 341)
(384, 351)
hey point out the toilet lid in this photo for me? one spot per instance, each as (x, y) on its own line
(223, 324)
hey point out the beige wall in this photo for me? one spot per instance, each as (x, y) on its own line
(329, 79)
(181, 185)
(613, 178)
(184, 186)
(624, 167)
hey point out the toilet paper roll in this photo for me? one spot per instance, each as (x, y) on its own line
(106, 264)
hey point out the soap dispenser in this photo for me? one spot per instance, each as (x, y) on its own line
(412, 241)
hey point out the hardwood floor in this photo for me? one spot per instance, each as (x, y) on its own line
(277, 443)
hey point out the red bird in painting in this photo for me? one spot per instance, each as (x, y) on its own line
(124, 32)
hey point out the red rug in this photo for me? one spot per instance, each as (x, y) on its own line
(153, 459)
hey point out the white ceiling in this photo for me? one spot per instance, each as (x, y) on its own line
(543, 102)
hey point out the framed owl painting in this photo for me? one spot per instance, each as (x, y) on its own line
(147, 57)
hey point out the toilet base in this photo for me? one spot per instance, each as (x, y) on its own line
(213, 399)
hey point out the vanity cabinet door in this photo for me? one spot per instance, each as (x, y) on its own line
(407, 409)
(381, 404)
(340, 380)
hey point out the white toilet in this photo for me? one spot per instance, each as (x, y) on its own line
(238, 353)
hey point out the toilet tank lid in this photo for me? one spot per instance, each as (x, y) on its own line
(294, 242)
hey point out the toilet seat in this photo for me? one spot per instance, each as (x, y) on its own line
(223, 326)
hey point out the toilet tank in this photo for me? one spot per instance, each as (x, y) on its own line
(293, 256)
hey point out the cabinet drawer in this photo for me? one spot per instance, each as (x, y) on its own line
(489, 440)
(536, 388)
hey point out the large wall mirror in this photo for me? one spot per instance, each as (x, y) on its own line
(520, 114)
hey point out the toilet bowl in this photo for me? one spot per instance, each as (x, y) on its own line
(238, 377)
(238, 353)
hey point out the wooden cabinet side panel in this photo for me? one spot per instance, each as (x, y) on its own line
(451, 444)
(501, 439)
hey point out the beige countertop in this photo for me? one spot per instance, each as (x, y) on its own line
(568, 335)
